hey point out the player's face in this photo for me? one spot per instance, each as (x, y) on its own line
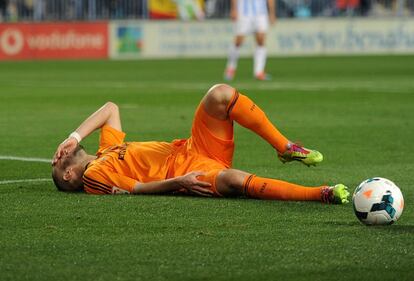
(66, 167)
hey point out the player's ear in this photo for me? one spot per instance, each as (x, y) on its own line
(67, 174)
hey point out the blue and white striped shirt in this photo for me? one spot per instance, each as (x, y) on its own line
(249, 8)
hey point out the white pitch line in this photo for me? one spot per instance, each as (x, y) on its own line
(25, 159)
(24, 181)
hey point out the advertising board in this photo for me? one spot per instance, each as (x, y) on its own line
(171, 39)
(53, 40)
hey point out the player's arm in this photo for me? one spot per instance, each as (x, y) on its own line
(272, 11)
(233, 9)
(108, 114)
(188, 181)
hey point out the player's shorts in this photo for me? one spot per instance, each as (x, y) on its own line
(205, 150)
(249, 25)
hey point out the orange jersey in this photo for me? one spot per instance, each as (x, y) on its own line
(121, 165)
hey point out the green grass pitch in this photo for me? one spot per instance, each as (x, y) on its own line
(358, 111)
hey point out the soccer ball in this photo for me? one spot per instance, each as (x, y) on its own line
(378, 201)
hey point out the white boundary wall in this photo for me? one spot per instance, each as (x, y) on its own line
(172, 39)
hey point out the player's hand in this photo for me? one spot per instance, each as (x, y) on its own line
(194, 185)
(65, 148)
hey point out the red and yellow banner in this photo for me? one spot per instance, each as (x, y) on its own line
(53, 40)
(172, 9)
(162, 9)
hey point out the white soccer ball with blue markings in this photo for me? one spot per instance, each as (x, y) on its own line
(378, 201)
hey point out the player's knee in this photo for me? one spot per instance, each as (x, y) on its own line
(230, 182)
(239, 41)
(216, 100)
(260, 43)
(260, 40)
(220, 94)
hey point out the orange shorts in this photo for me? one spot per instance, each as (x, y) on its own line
(206, 150)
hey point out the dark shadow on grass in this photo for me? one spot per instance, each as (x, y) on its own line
(395, 228)
(399, 229)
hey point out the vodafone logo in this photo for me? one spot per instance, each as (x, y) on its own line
(53, 41)
(11, 41)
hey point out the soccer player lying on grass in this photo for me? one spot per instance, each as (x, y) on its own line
(200, 165)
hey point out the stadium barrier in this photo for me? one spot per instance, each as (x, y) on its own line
(164, 39)
(172, 39)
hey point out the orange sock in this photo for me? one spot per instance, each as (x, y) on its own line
(271, 189)
(245, 112)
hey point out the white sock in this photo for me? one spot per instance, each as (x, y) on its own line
(259, 60)
(234, 54)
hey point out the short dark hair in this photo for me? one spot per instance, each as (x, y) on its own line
(63, 185)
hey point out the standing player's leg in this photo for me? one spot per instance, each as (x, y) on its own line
(233, 182)
(223, 102)
(260, 55)
(242, 27)
(261, 26)
(233, 58)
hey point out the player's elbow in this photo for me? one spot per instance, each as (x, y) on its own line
(111, 106)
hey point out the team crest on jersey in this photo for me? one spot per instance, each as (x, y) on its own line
(122, 151)
(116, 190)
